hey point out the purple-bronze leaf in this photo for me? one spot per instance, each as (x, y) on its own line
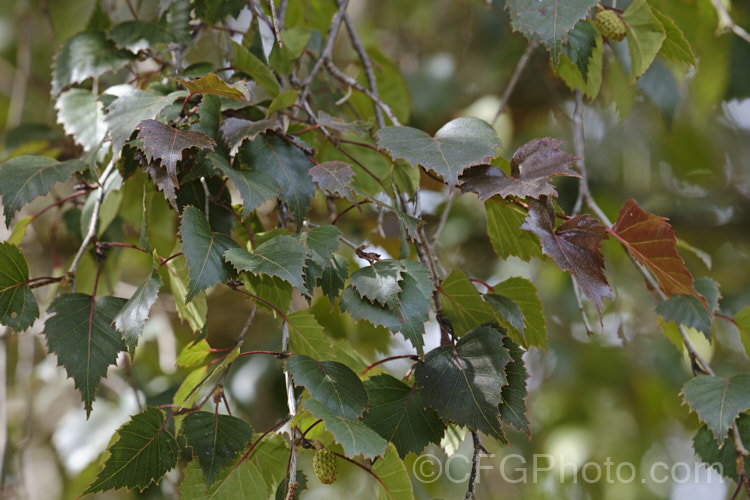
(530, 170)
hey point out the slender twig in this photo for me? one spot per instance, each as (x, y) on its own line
(276, 25)
(246, 328)
(520, 66)
(333, 31)
(413, 357)
(207, 195)
(22, 73)
(131, 9)
(346, 79)
(479, 451)
(366, 65)
(279, 355)
(443, 217)
(291, 401)
(94, 224)
(61, 201)
(282, 11)
(726, 20)
(579, 300)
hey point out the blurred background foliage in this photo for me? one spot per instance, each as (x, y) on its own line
(678, 142)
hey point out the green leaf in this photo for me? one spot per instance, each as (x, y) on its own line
(504, 229)
(459, 144)
(724, 454)
(246, 62)
(194, 354)
(322, 241)
(513, 405)
(18, 307)
(548, 21)
(742, 320)
(213, 84)
(98, 19)
(508, 311)
(145, 450)
(463, 382)
(462, 303)
(244, 479)
(269, 288)
(215, 12)
(283, 101)
(215, 440)
(582, 69)
(645, 35)
(307, 337)
(236, 130)
(288, 165)
(686, 310)
(415, 303)
(718, 400)
(283, 59)
(709, 290)
(394, 481)
(675, 46)
(189, 390)
(332, 383)
(254, 186)
(126, 112)
(398, 414)
(204, 251)
(353, 435)
(133, 315)
(84, 339)
(579, 48)
(82, 116)
(136, 35)
(19, 230)
(193, 311)
(85, 55)
(23, 178)
(281, 256)
(379, 282)
(166, 144)
(523, 293)
(334, 277)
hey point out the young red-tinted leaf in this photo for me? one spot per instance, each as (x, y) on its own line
(462, 303)
(126, 112)
(204, 251)
(686, 310)
(23, 178)
(504, 229)
(166, 144)
(288, 165)
(354, 436)
(398, 414)
(82, 116)
(215, 440)
(84, 339)
(651, 241)
(213, 84)
(722, 454)
(548, 21)
(508, 311)
(459, 144)
(463, 382)
(236, 130)
(379, 282)
(85, 55)
(281, 256)
(331, 383)
(718, 400)
(513, 406)
(334, 178)
(530, 170)
(132, 317)
(254, 186)
(645, 36)
(574, 246)
(415, 303)
(144, 451)
(18, 307)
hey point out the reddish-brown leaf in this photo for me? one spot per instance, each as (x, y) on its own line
(651, 241)
(166, 144)
(530, 170)
(574, 246)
